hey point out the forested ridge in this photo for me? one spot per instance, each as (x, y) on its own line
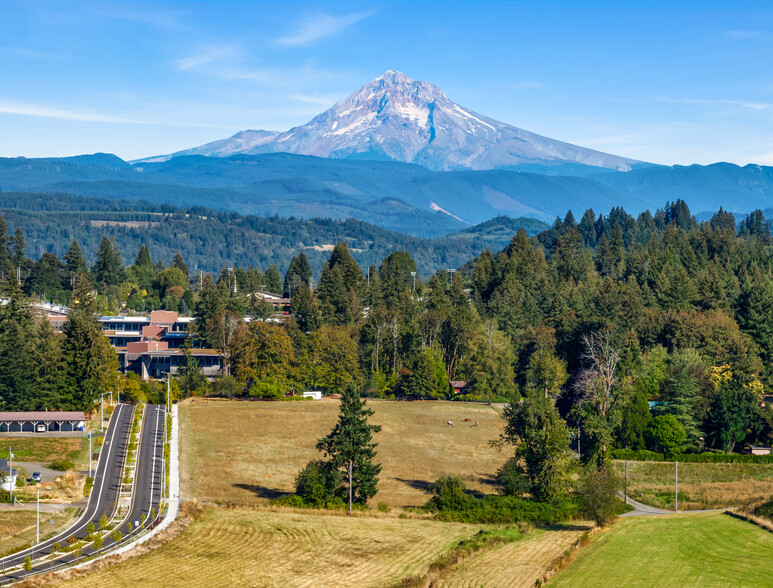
(210, 239)
(603, 316)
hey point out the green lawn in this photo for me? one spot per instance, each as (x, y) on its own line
(707, 549)
(46, 449)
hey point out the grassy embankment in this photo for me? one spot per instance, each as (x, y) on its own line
(17, 528)
(705, 549)
(701, 485)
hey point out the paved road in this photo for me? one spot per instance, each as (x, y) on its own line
(146, 497)
(104, 494)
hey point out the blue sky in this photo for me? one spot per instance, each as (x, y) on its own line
(666, 82)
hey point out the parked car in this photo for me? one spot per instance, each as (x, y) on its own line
(41, 428)
(36, 477)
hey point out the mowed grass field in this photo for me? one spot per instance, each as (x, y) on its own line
(241, 547)
(245, 453)
(702, 549)
(519, 564)
(701, 485)
(46, 449)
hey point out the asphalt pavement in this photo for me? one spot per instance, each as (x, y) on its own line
(145, 499)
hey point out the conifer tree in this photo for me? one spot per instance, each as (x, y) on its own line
(108, 268)
(298, 273)
(75, 263)
(6, 267)
(189, 374)
(92, 363)
(305, 309)
(179, 263)
(273, 280)
(350, 447)
(18, 368)
(18, 249)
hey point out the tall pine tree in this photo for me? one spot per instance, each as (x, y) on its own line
(350, 447)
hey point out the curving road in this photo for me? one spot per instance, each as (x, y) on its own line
(107, 480)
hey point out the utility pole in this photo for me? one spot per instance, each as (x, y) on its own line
(625, 491)
(414, 280)
(676, 486)
(350, 487)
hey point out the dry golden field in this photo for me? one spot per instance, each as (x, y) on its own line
(241, 547)
(244, 453)
(17, 527)
(701, 485)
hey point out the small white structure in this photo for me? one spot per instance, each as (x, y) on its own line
(7, 475)
(313, 394)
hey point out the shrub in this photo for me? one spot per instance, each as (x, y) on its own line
(317, 483)
(103, 521)
(449, 494)
(504, 510)
(116, 535)
(266, 390)
(27, 564)
(384, 507)
(62, 465)
(511, 479)
(665, 433)
(98, 541)
(598, 494)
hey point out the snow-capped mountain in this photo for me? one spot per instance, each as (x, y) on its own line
(397, 118)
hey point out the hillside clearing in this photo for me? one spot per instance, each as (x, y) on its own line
(245, 453)
(701, 485)
(704, 549)
(238, 547)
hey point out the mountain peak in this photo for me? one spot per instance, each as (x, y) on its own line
(394, 117)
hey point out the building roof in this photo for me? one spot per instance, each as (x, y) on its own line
(457, 383)
(41, 415)
(5, 468)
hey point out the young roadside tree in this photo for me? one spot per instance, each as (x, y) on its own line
(350, 447)
(598, 494)
(541, 439)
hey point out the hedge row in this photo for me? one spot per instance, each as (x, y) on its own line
(705, 457)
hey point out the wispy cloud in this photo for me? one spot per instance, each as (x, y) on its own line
(528, 85)
(36, 110)
(207, 56)
(27, 53)
(320, 26)
(741, 103)
(743, 34)
(162, 19)
(318, 99)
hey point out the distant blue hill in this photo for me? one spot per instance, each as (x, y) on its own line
(393, 195)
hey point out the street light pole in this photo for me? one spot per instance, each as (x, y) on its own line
(37, 526)
(414, 280)
(676, 486)
(90, 454)
(10, 473)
